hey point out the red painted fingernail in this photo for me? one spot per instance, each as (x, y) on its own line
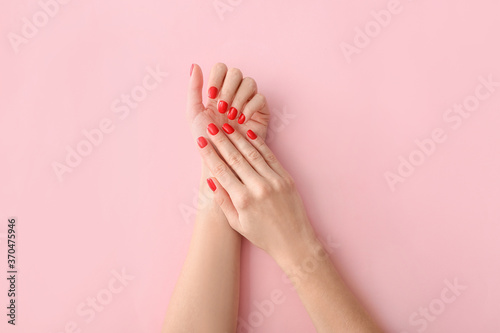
(251, 135)
(211, 184)
(222, 107)
(191, 70)
(232, 113)
(213, 92)
(228, 128)
(241, 119)
(202, 142)
(213, 129)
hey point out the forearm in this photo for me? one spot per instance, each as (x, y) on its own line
(205, 298)
(329, 302)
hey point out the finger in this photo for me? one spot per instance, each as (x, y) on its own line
(223, 199)
(194, 96)
(267, 154)
(229, 88)
(231, 155)
(249, 152)
(215, 81)
(256, 104)
(247, 89)
(218, 167)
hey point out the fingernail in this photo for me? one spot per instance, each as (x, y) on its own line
(241, 119)
(211, 184)
(251, 135)
(213, 92)
(228, 128)
(202, 142)
(222, 107)
(232, 113)
(191, 70)
(213, 129)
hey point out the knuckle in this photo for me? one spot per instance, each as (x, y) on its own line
(220, 66)
(260, 145)
(262, 191)
(252, 85)
(235, 72)
(242, 201)
(205, 153)
(283, 184)
(218, 139)
(279, 184)
(253, 155)
(290, 183)
(262, 99)
(234, 159)
(220, 170)
(219, 200)
(270, 157)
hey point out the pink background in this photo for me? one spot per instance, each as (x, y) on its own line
(350, 118)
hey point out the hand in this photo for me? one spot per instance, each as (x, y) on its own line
(255, 192)
(232, 99)
(241, 96)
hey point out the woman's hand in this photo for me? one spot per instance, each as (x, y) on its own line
(232, 98)
(260, 201)
(242, 98)
(255, 192)
(206, 296)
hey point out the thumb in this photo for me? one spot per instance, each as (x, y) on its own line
(223, 199)
(194, 96)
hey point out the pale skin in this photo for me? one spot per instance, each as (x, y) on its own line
(255, 197)
(206, 296)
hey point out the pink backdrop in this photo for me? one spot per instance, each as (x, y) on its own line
(387, 115)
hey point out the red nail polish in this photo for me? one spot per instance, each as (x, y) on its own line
(241, 119)
(202, 142)
(232, 113)
(213, 129)
(228, 128)
(211, 184)
(213, 92)
(222, 107)
(251, 135)
(191, 70)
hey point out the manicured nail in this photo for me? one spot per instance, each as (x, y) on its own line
(211, 184)
(222, 107)
(191, 70)
(202, 142)
(213, 129)
(228, 128)
(232, 113)
(213, 92)
(241, 119)
(251, 135)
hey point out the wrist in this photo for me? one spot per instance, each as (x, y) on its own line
(303, 250)
(307, 265)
